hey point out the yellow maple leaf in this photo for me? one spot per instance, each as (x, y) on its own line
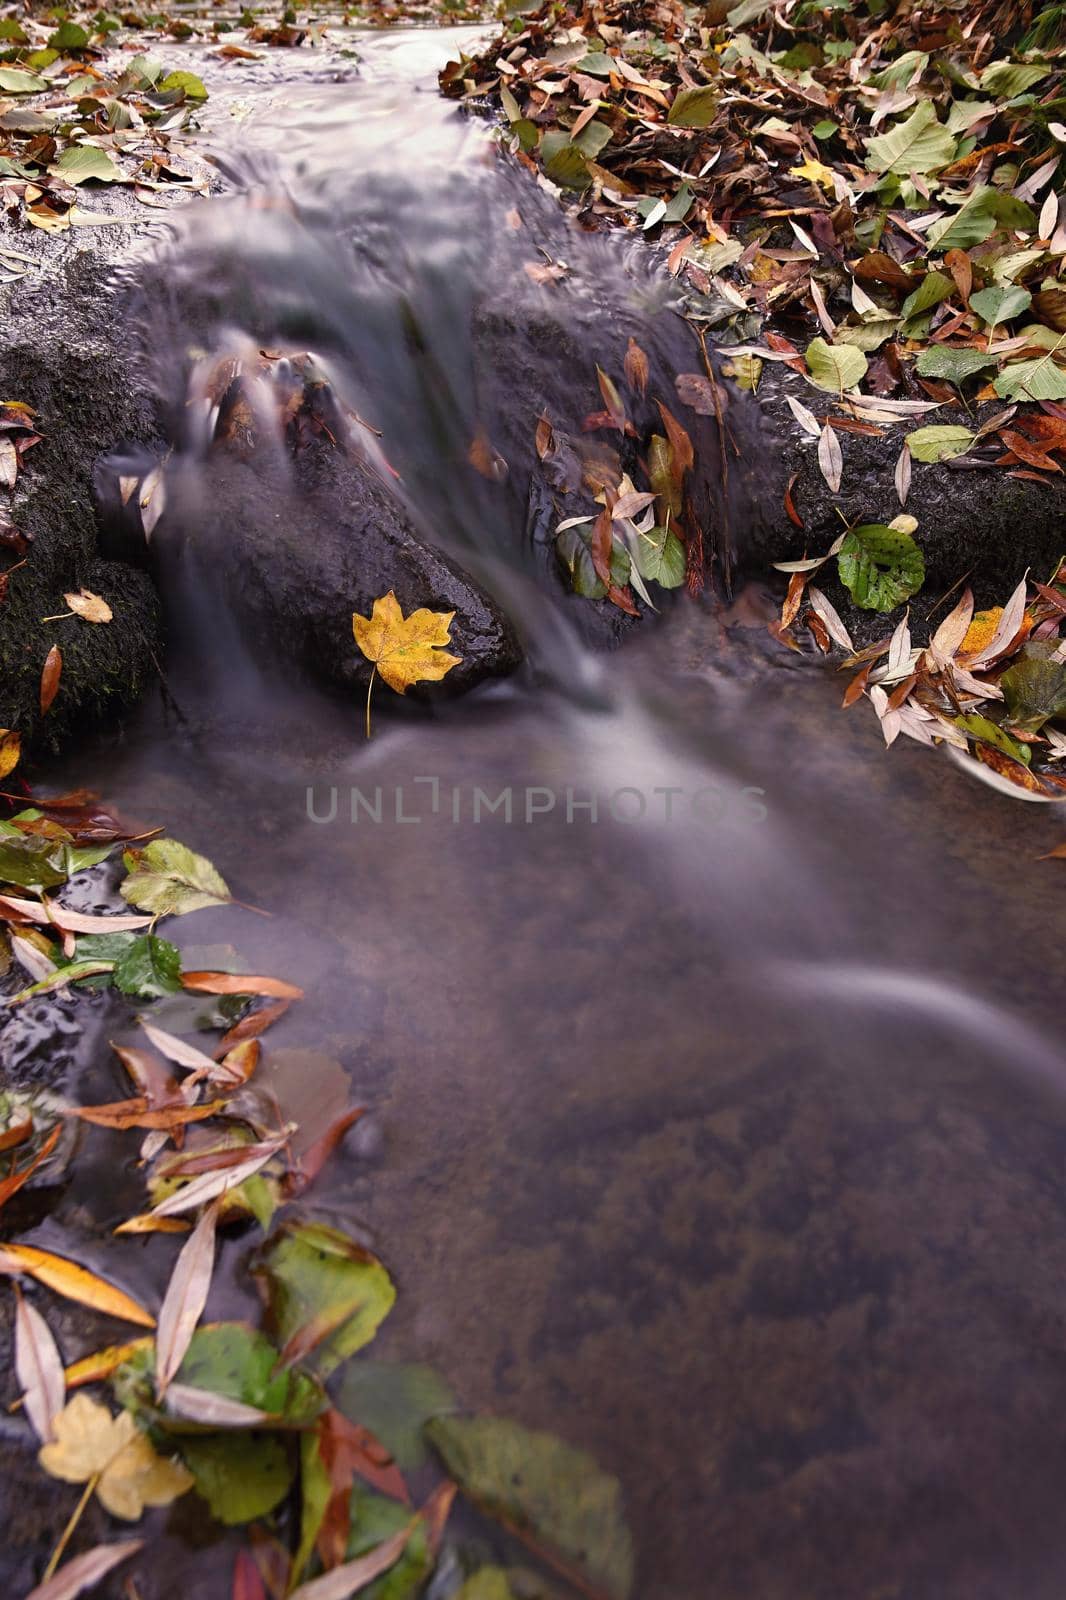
(92, 1444)
(10, 747)
(404, 650)
(814, 172)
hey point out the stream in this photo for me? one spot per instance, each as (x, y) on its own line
(719, 1132)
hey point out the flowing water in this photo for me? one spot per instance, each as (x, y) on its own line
(722, 1134)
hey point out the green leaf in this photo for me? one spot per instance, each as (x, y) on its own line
(592, 138)
(694, 108)
(324, 1286)
(660, 557)
(228, 1359)
(395, 1403)
(488, 1583)
(84, 161)
(1005, 79)
(316, 1491)
(918, 145)
(934, 287)
(150, 967)
(375, 1518)
(31, 863)
(941, 361)
(880, 566)
(825, 129)
(12, 81)
(68, 36)
(187, 81)
(1034, 689)
(598, 64)
(679, 207)
(989, 732)
(555, 1495)
(835, 367)
(867, 335)
(574, 553)
(168, 879)
(980, 214)
(242, 1476)
(103, 946)
(11, 32)
(1000, 303)
(564, 162)
(940, 442)
(1039, 378)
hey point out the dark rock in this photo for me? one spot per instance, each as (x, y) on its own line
(293, 545)
(62, 357)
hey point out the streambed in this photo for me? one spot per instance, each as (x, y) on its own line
(726, 1144)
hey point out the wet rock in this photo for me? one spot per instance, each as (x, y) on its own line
(293, 545)
(62, 357)
(981, 524)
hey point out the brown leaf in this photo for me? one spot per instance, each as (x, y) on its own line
(85, 1571)
(602, 545)
(136, 1113)
(484, 458)
(960, 266)
(696, 392)
(50, 675)
(1007, 767)
(790, 504)
(247, 1582)
(857, 686)
(251, 1026)
(238, 983)
(15, 1180)
(636, 367)
(315, 1157)
(683, 456)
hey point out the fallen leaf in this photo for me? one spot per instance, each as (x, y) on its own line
(185, 1298)
(240, 983)
(85, 1571)
(90, 607)
(92, 1444)
(72, 1281)
(405, 650)
(168, 879)
(39, 1368)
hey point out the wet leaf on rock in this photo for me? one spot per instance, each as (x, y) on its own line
(880, 566)
(835, 367)
(326, 1295)
(545, 1491)
(1034, 689)
(940, 442)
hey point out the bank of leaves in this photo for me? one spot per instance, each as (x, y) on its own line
(230, 1135)
(877, 194)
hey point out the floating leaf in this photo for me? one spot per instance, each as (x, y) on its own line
(550, 1494)
(169, 879)
(148, 968)
(835, 367)
(92, 1444)
(327, 1295)
(85, 1571)
(880, 566)
(185, 1298)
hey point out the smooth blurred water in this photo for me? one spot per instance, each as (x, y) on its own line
(727, 1144)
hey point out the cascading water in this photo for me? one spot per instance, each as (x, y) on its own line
(784, 1251)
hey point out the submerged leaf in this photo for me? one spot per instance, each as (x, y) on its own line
(327, 1295)
(545, 1491)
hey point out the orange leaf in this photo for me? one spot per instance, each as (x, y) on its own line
(238, 983)
(50, 675)
(72, 1281)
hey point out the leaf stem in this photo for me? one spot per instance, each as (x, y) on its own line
(65, 1536)
(369, 687)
